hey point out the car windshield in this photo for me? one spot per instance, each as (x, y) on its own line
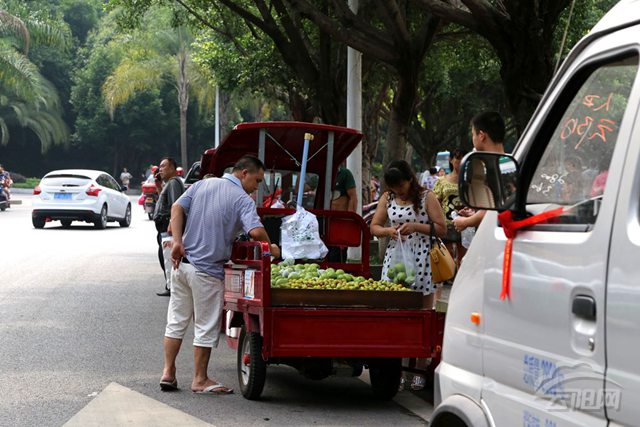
(65, 180)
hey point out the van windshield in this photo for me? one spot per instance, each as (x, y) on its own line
(575, 164)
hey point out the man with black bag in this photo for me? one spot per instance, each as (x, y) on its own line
(172, 189)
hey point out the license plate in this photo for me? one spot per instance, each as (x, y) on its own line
(62, 196)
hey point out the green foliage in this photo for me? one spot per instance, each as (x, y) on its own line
(27, 99)
(28, 183)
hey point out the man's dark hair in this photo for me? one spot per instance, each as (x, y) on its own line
(250, 163)
(491, 123)
(433, 170)
(171, 161)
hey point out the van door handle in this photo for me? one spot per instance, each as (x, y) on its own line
(584, 307)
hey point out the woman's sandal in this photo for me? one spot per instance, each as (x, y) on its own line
(418, 382)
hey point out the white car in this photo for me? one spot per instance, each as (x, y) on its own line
(80, 195)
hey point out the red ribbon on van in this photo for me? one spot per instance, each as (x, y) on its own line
(511, 228)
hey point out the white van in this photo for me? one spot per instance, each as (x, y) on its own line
(562, 345)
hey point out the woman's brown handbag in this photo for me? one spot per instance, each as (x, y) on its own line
(443, 267)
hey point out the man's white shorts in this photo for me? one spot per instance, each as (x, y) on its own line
(198, 295)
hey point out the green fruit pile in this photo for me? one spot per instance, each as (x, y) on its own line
(338, 284)
(399, 274)
(309, 276)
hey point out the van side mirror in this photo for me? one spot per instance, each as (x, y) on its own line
(488, 180)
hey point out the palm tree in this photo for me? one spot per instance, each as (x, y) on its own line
(153, 58)
(27, 99)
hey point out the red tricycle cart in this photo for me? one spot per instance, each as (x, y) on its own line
(320, 332)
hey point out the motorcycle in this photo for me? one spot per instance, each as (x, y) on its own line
(5, 201)
(149, 196)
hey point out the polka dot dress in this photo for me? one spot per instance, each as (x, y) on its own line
(418, 243)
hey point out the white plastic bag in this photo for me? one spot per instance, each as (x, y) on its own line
(402, 265)
(300, 237)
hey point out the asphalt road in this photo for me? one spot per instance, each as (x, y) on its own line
(78, 311)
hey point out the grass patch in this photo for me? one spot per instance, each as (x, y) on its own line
(31, 183)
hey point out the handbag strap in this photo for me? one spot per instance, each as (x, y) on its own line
(432, 236)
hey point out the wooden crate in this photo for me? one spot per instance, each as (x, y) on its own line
(346, 298)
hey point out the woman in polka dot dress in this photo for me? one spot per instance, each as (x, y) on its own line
(411, 210)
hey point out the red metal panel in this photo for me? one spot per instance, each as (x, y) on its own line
(350, 333)
(243, 139)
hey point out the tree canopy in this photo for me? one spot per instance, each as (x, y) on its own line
(428, 66)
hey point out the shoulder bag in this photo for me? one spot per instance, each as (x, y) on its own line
(443, 267)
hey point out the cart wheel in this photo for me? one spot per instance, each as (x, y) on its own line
(252, 368)
(385, 377)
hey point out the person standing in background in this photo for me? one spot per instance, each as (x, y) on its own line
(375, 188)
(429, 178)
(171, 191)
(446, 190)
(125, 178)
(345, 197)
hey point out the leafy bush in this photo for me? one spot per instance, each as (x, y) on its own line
(28, 182)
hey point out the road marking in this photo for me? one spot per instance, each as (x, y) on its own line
(407, 400)
(118, 406)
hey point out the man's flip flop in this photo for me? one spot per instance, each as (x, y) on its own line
(166, 385)
(214, 389)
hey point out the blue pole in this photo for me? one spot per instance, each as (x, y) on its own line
(303, 172)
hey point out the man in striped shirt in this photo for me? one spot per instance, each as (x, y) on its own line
(216, 209)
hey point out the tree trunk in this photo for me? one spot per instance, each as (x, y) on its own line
(400, 118)
(183, 102)
(525, 78)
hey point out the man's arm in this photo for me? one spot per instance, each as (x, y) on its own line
(260, 234)
(176, 225)
(474, 220)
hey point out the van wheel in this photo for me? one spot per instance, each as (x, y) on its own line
(252, 368)
(101, 222)
(448, 420)
(385, 377)
(38, 222)
(126, 221)
(66, 223)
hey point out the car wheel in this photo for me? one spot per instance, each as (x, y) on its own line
(38, 222)
(127, 217)
(66, 223)
(101, 222)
